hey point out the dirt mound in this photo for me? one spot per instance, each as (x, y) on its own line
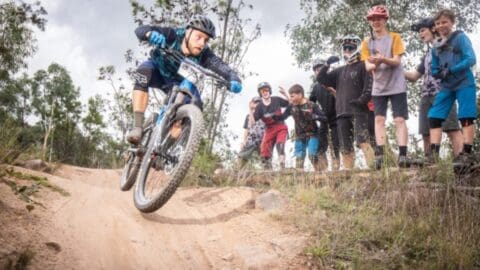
(97, 227)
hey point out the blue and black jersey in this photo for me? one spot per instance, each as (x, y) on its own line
(174, 38)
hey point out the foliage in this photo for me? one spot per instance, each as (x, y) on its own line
(55, 102)
(327, 21)
(17, 41)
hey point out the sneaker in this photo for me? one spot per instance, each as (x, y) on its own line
(403, 162)
(135, 135)
(378, 163)
(463, 162)
(431, 159)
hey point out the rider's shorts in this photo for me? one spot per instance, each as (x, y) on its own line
(147, 75)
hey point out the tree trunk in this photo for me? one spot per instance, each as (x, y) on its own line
(212, 131)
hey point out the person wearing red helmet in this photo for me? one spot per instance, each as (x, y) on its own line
(430, 88)
(382, 53)
(269, 110)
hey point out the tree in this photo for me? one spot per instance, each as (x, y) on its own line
(55, 102)
(120, 105)
(327, 21)
(17, 41)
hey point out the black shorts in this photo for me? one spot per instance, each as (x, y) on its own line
(147, 75)
(351, 126)
(329, 129)
(399, 105)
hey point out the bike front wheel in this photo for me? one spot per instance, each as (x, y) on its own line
(161, 173)
(133, 157)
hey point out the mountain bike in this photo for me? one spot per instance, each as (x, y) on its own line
(171, 141)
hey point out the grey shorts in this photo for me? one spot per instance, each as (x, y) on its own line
(399, 105)
(450, 124)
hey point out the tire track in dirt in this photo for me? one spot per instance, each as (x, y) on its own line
(199, 228)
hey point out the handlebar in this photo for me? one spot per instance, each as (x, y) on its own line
(181, 59)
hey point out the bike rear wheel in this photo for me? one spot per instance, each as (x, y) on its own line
(159, 177)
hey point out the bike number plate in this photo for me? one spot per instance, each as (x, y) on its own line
(186, 72)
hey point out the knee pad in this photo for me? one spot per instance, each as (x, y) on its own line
(467, 121)
(435, 122)
(281, 149)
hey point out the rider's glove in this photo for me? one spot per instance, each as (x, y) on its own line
(332, 59)
(235, 87)
(157, 39)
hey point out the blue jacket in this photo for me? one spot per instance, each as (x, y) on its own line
(458, 56)
(174, 38)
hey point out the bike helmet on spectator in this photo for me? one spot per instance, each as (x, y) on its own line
(351, 43)
(423, 23)
(318, 62)
(378, 11)
(264, 85)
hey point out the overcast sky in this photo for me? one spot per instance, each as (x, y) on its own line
(83, 35)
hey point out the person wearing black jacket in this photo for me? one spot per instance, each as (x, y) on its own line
(161, 72)
(308, 117)
(326, 100)
(352, 86)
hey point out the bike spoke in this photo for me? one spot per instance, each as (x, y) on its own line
(157, 179)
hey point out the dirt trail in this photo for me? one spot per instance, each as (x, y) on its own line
(98, 227)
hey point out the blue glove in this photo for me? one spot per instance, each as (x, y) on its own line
(157, 39)
(235, 87)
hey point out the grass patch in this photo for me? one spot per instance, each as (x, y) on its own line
(39, 180)
(414, 219)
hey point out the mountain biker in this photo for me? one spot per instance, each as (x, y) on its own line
(252, 135)
(269, 110)
(452, 59)
(431, 86)
(160, 72)
(306, 114)
(326, 100)
(382, 53)
(353, 86)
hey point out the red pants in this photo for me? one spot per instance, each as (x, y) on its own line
(274, 134)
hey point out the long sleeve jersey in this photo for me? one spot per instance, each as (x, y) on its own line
(174, 38)
(351, 82)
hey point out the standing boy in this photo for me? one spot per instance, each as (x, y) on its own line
(452, 60)
(382, 53)
(269, 110)
(252, 134)
(352, 84)
(430, 88)
(305, 114)
(326, 100)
